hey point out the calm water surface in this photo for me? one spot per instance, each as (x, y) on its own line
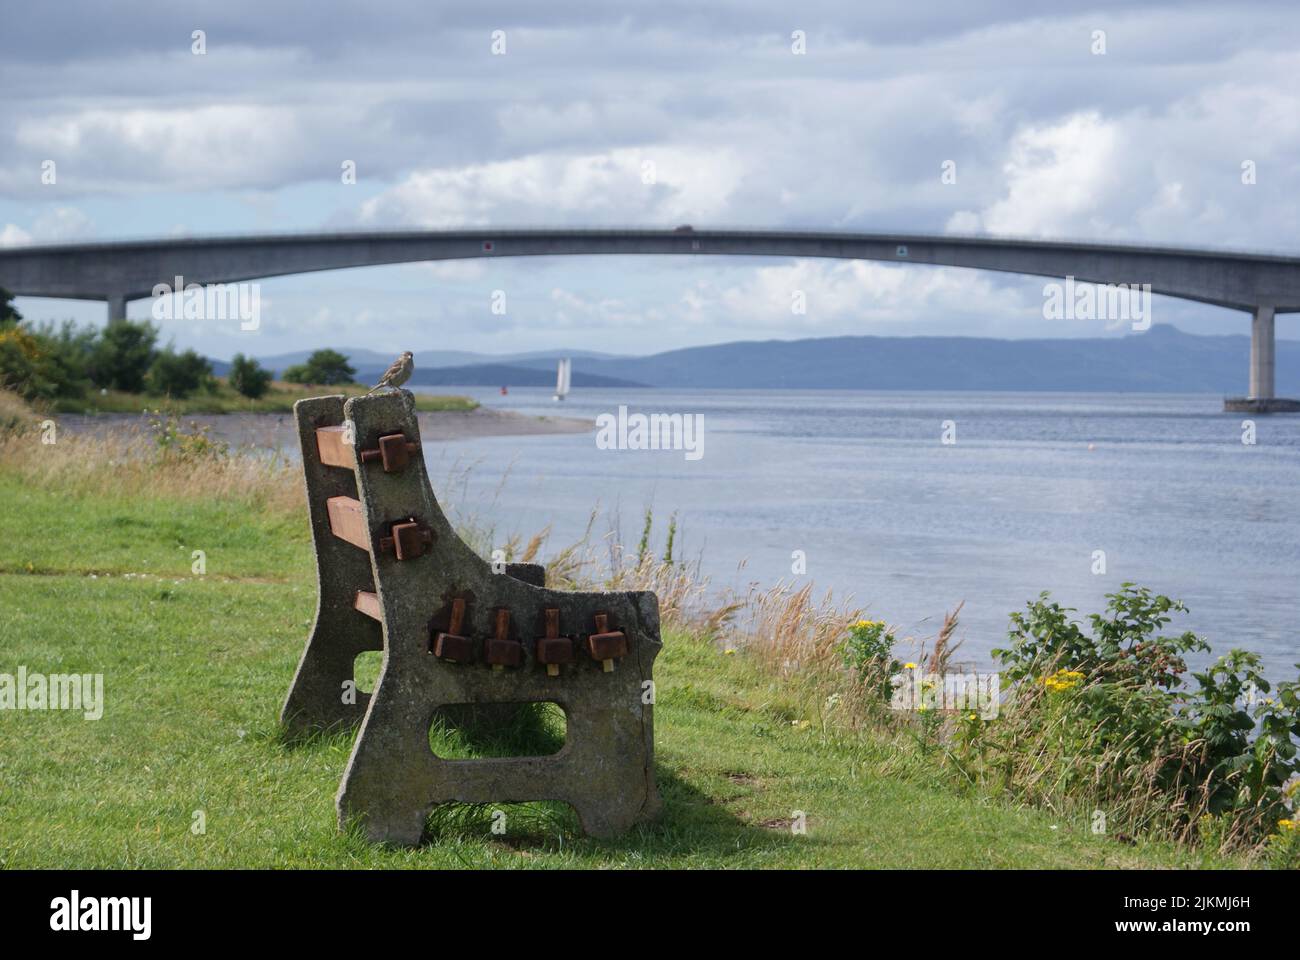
(908, 526)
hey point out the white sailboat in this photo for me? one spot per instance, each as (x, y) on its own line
(562, 378)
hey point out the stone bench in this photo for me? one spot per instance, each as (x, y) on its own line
(395, 577)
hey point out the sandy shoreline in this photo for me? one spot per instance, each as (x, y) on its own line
(276, 430)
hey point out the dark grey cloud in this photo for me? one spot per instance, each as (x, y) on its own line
(1047, 138)
(79, 30)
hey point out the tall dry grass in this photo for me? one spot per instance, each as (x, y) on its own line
(788, 629)
(132, 460)
(16, 415)
(785, 627)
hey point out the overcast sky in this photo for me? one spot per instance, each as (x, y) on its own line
(1049, 138)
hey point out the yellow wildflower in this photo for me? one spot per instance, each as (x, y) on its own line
(1063, 680)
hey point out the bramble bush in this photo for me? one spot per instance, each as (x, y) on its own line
(1104, 720)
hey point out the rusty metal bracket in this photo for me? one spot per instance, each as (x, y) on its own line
(500, 650)
(394, 451)
(606, 645)
(408, 539)
(450, 645)
(553, 649)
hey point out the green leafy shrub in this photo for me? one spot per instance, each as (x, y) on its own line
(9, 315)
(20, 355)
(45, 363)
(1234, 769)
(326, 367)
(1104, 720)
(868, 651)
(1282, 850)
(248, 377)
(42, 363)
(180, 374)
(123, 355)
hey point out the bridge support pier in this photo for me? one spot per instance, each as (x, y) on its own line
(1262, 345)
(1262, 370)
(116, 307)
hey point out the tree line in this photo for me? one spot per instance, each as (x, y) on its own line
(53, 362)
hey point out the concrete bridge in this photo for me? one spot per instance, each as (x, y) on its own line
(1260, 284)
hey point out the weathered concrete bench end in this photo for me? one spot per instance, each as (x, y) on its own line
(394, 577)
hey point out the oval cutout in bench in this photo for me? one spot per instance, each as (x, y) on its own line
(476, 731)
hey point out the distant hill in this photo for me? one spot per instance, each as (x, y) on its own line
(499, 374)
(1161, 360)
(368, 361)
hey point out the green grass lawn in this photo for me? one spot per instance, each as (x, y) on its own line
(195, 668)
(224, 399)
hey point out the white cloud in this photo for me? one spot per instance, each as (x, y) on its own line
(842, 296)
(1058, 178)
(205, 147)
(52, 225)
(14, 236)
(621, 186)
(571, 309)
(457, 271)
(63, 223)
(1171, 176)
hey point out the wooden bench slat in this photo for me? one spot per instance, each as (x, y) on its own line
(368, 603)
(334, 450)
(347, 522)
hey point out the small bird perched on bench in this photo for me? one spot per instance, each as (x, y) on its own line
(397, 374)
